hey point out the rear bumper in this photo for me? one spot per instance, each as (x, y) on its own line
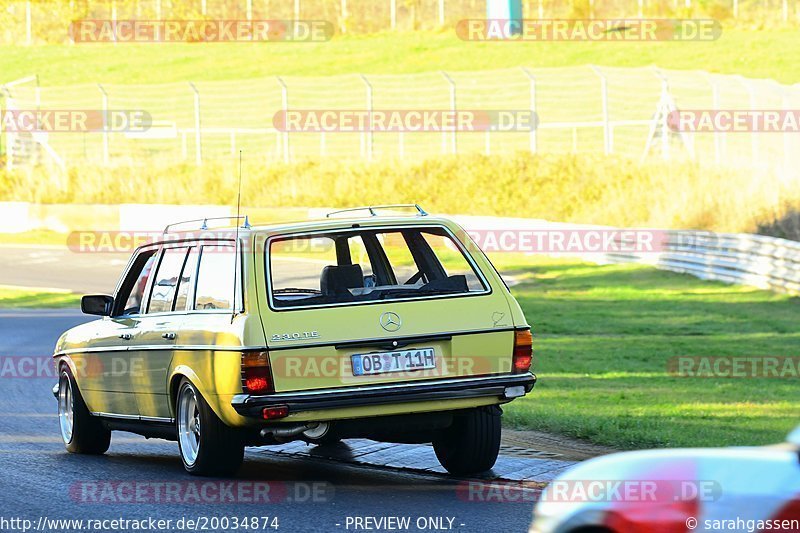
(504, 388)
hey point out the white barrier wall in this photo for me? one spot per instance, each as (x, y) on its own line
(14, 217)
(154, 217)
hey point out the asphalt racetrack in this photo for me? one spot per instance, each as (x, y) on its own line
(139, 479)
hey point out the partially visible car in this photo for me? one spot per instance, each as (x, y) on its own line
(742, 489)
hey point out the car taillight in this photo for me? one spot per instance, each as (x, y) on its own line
(273, 413)
(256, 373)
(523, 351)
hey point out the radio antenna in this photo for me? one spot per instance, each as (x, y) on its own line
(236, 242)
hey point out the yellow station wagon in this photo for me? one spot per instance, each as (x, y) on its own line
(373, 323)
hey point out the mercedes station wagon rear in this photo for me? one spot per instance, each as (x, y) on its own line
(369, 323)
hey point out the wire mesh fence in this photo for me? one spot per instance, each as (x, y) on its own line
(623, 111)
(47, 21)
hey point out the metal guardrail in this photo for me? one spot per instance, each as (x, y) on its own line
(740, 258)
(745, 259)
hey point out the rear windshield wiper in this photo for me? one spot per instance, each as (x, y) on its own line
(392, 293)
(293, 290)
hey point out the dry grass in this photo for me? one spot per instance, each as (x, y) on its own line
(571, 188)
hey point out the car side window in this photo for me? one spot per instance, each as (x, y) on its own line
(166, 281)
(187, 278)
(215, 278)
(133, 287)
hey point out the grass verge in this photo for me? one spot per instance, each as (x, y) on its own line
(581, 188)
(30, 298)
(43, 237)
(737, 51)
(604, 338)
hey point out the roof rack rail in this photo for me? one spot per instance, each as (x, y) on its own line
(204, 225)
(374, 208)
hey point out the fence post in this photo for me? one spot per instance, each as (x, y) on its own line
(735, 9)
(369, 133)
(454, 138)
(9, 140)
(787, 145)
(158, 17)
(198, 151)
(285, 105)
(393, 15)
(343, 21)
(606, 121)
(296, 11)
(534, 142)
(441, 12)
(249, 9)
(114, 20)
(785, 11)
(204, 7)
(753, 135)
(28, 29)
(105, 124)
(715, 107)
(664, 120)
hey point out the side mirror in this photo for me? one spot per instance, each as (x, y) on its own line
(97, 304)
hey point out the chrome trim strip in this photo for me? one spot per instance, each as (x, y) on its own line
(196, 347)
(157, 419)
(215, 348)
(149, 347)
(96, 349)
(134, 417)
(242, 398)
(387, 340)
(113, 415)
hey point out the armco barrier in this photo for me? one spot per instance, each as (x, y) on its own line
(741, 258)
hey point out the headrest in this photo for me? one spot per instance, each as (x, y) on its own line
(337, 279)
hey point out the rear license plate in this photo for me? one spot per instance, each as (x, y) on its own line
(368, 364)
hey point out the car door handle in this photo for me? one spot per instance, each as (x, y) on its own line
(125, 336)
(169, 336)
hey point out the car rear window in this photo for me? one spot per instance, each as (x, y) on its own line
(356, 266)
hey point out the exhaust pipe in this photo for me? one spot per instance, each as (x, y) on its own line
(287, 432)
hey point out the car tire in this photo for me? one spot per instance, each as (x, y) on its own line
(207, 446)
(81, 432)
(471, 444)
